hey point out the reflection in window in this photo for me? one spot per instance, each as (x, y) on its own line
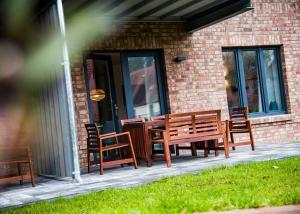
(272, 80)
(231, 81)
(252, 81)
(144, 86)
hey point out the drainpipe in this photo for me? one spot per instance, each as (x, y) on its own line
(69, 90)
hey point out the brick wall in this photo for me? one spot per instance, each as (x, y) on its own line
(198, 83)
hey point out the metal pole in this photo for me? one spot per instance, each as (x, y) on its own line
(69, 90)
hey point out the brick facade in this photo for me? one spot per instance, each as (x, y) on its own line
(198, 83)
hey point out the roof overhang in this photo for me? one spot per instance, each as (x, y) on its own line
(194, 14)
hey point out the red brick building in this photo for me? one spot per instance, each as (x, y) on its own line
(165, 56)
(198, 83)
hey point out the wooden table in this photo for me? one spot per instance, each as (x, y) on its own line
(141, 139)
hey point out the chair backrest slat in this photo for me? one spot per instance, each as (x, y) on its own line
(92, 135)
(239, 113)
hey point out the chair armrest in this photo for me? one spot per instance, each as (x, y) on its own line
(113, 135)
(108, 134)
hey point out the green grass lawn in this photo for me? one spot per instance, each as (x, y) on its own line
(242, 186)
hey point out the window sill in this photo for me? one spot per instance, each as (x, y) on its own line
(271, 119)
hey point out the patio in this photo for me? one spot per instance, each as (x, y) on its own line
(47, 189)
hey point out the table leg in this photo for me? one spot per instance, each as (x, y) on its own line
(148, 146)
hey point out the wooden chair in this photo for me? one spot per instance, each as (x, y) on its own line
(20, 158)
(238, 124)
(177, 147)
(96, 144)
(125, 121)
(158, 136)
(158, 118)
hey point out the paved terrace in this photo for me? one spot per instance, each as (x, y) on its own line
(46, 189)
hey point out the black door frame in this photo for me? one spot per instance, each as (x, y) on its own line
(95, 56)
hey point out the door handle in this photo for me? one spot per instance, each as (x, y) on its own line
(116, 108)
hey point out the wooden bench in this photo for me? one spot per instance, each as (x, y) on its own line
(16, 158)
(190, 128)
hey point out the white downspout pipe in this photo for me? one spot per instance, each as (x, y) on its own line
(69, 90)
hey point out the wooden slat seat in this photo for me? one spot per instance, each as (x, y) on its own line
(190, 127)
(95, 144)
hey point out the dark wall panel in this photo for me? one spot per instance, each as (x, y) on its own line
(52, 151)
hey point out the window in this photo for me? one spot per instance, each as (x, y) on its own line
(143, 82)
(253, 78)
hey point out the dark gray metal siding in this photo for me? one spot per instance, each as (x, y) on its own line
(52, 151)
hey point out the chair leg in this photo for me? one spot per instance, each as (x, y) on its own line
(167, 150)
(177, 150)
(89, 161)
(216, 145)
(226, 146)
(232, 140)
(120, 156)
(132, 152)
(193, 149)
(101, 162)
(31, 173)
(208, 149)
(205, 149)
(167, 154)
(251, 139)
(19, 172)
(134, 160)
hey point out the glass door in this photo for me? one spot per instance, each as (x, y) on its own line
(101, 93)
(143, 81)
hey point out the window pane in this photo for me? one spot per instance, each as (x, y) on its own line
(231, 80)
(252, 81)
(144, 86)
(272, 81)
